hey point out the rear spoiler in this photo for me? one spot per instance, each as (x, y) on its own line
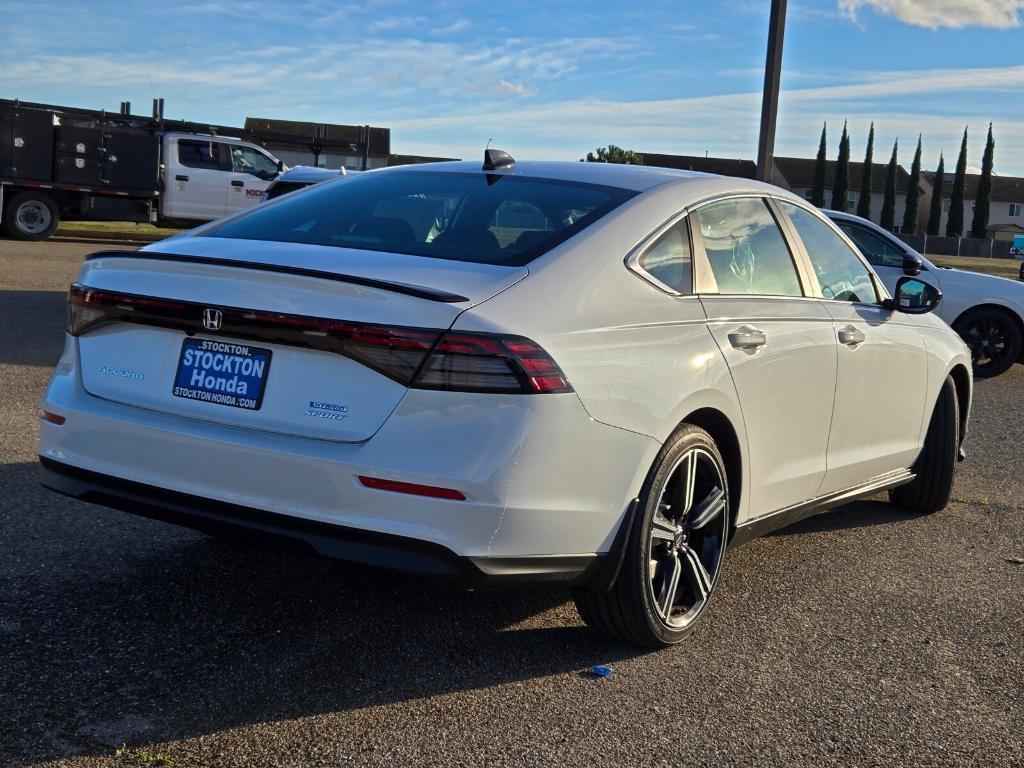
(419, 291)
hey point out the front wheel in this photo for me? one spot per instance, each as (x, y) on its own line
(994, 338)
(675, 549)
(31, 216)
(929, 491)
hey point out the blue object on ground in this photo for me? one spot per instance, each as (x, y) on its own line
(600, 670)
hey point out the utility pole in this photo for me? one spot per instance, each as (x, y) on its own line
(770, 99)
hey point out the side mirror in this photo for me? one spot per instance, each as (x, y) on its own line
(912, 264)
(914, 297)
(280, 165)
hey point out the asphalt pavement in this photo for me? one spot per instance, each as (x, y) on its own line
(861, 637)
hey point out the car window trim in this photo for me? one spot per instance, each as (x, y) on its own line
(704, 277)
(632, 260)
(880, 292)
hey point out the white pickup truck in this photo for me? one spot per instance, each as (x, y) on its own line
(57, 165)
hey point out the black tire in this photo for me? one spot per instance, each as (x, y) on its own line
(929, 491)
(994, 337)
(674, 551)
(31, 216)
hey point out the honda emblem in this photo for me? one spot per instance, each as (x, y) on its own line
(212, 318)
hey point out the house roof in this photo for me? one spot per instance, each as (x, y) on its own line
(799, 172)
(1004, 188)
(723, 166)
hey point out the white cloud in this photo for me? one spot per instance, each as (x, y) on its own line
(934, 14)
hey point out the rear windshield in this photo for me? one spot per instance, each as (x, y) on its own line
(492, 219)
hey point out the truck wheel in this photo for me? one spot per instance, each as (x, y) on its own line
(31, 216)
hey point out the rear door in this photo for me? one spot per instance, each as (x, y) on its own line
(252, 171)
(196, 179)
(778, 343)
(883, 371)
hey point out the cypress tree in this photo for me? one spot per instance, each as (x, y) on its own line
(864, 201)
(981, 202)
(913, 194)
(935, 210)
(818, 190)
(955, 222)
(888, 220)
(842, 184)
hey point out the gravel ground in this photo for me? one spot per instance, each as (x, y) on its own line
(860, 637)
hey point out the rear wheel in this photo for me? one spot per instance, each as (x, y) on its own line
(929, 491)
(994, 338)
(674, 551)
(31, 216)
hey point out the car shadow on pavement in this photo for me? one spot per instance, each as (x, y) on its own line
(857, 514)
(119, 630)
(32, 327)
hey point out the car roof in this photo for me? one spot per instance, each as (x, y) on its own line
(309, 173)
(637, 178)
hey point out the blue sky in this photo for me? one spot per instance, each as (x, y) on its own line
(544, 80)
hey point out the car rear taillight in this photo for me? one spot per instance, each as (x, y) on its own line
(89, 307)
(424, 358)
(471, 362)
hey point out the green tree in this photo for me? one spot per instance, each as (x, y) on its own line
(979, 224)
(818, 190)
(935, 209)
(955, 221)
(614, 154)
(864, 201)
(913, 194)
(888, 220)
(841, 187)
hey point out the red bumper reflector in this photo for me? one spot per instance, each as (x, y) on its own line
(53, 418)
(413, 488)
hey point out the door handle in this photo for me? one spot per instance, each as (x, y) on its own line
(747, 337)
(181, 177)
(851, 336)
(237, 183)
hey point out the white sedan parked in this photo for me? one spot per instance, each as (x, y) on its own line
(987, 311)
(589, 373)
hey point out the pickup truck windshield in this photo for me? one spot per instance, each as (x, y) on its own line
(502, 220)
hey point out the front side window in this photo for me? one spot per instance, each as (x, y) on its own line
(876, 249)
(841, 274)
(199, 154)
(668, 260)
(1015, 209)
(745, 249)
(253, 162)
(505, 220)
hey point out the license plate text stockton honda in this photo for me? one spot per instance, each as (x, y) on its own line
(222, 372)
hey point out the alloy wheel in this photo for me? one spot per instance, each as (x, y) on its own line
(687, 538)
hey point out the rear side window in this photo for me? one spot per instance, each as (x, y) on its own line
(199, 154)
(668, 260)
(842, 275)
(279, 188)
(745, 249)
(507, 220)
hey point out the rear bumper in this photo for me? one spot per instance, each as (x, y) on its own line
(343, 543)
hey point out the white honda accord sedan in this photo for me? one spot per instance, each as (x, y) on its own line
(594, 374)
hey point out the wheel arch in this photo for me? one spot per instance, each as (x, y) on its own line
(726, 437)
(962, 381)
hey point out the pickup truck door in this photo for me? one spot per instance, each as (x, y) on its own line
(196, 178)
(251, 173)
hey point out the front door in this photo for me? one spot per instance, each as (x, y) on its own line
(882, 373)
(779, 346)
(251, 173)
